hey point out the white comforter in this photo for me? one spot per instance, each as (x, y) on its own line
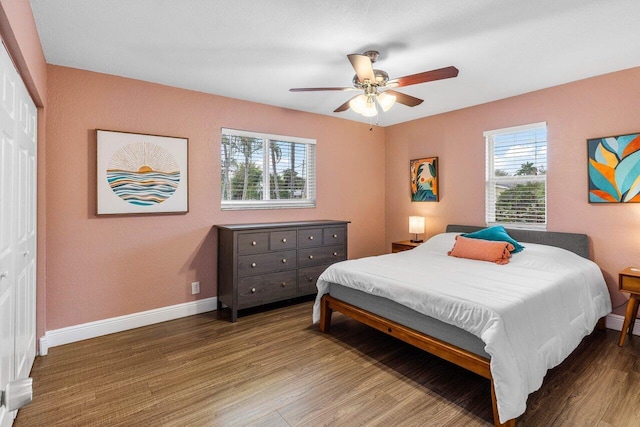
(531, 313)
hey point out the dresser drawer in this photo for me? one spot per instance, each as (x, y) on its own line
(630, 283)
(307, 279)
(256, 290)
(270, 262)
(281, 240)
(321, 256)
(252, 243)
(309, 237)
(334, 235)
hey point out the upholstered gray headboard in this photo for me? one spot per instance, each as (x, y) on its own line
(577, 243)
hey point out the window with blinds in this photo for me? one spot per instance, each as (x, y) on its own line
(263, 171)
(516, 181)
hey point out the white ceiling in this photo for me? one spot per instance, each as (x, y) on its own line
(257, 49)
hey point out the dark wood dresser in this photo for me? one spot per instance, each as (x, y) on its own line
(269, 262)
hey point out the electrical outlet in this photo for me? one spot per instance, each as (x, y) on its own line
(195, 288)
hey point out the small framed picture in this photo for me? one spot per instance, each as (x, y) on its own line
(141, 174)
(424, 180)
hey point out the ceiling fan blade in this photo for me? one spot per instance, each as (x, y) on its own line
(362, 65)
(317, 89)
(345, 106)
(405, 99)
(427, 76)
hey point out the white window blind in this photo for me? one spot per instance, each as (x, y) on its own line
(516, 181)
(264, 171)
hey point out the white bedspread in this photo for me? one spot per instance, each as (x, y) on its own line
(531, 313)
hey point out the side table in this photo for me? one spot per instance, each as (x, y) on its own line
(629, 281)
(403, 245)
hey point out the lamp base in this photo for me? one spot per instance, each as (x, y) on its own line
(416, 241)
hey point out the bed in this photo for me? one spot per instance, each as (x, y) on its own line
(508, 323)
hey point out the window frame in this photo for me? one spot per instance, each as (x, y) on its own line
(491, 179)
(267, 202)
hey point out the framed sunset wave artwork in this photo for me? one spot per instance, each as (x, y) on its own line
(424, 179)
(614, 169)
(139, 173)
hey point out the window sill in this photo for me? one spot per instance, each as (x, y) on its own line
(262, 205)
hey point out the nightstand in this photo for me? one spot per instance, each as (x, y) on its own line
(629, 281)
(403, 245)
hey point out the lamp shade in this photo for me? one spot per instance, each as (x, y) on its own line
(358, 104)
(364, 104)
(386, 101)
(416, 224)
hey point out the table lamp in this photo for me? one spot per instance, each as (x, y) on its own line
(416, 226)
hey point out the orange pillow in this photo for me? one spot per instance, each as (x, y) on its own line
(482, 250)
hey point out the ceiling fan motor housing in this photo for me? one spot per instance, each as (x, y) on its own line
(381, 80)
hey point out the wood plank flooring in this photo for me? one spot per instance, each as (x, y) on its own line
(274, 368)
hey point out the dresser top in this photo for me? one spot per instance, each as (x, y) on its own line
(262, 225)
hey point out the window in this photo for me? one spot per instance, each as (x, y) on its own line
(262, 171)
(516, 183)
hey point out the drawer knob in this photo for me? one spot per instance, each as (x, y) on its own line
(253, 290)
(335, 254)
(284, 240)
(310, 256)
(335, 236)
(310, 237)
(284, 260)
(311, 279)
(4, 275)
(254, 243)
(253, 264)
(283, 284)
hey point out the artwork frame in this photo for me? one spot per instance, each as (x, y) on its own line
(140, 173)
(424, 179)
(613, 169)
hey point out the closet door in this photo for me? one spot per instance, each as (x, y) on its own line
(8, 233)
(18, 118)
(25, 317)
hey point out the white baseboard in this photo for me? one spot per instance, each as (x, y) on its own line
(98, 328)
(615, 321)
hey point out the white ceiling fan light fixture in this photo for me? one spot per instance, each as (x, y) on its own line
(358, 103)
(386, 101)
(364, 105)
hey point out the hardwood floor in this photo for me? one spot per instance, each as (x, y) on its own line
(274, 368)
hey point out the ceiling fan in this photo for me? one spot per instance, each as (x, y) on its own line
(375, 85)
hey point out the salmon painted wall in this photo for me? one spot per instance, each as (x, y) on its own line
(102, 267)
(600, 106)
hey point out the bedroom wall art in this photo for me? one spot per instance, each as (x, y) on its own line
(138, 173)
(424, 180)
(614, 169)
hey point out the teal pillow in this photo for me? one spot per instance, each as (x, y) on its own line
(497, 233)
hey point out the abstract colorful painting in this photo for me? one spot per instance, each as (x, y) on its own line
(614, 169)
(424, 180)
(140, 173)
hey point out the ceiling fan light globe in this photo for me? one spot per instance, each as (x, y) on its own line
(386, 101)
(358, 104)
(370, 110)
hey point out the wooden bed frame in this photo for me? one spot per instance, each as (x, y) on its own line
(578, 243)
(456, 355)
